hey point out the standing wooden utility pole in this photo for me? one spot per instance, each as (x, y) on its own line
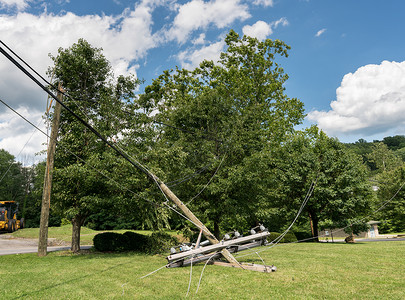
(46, 195)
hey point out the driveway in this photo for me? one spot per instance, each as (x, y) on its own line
(381, 240)
(10, 245)
(359, 240)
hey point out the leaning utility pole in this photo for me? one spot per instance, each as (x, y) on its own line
(46, 194)
(43, 235)
(228, 256)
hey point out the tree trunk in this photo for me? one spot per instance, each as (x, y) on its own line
(77, 223)
(314, 226)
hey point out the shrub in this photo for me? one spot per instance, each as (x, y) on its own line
(156, 243)
(160, 242)
(136, 242)
(110, 241)
(288, 238)
(304, 235)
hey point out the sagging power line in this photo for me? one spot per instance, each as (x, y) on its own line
(165, 190)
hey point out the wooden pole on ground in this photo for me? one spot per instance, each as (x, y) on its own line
(46, 194)
(188, 213)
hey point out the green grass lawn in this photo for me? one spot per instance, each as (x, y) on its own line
(305, 271)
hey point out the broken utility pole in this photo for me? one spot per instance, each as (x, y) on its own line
(228, 256)
(46, 194)
(43, 236)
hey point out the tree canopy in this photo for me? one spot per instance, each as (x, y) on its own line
(101, 100)
(220, 114)
(341, 190)
(221, 136)
(392, 199)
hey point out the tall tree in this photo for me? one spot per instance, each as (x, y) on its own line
(220, 114)
(391, 194)
(341, 192)
(101, 100)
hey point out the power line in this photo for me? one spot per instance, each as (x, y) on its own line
(101, 173)
(91, 128)
(204, 135)
(208, 183)
(75, 102)
(188, 177)
(341, 229)
(303, 204)
(133, 162)
(22, 149)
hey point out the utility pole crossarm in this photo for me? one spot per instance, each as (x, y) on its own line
(188, 213)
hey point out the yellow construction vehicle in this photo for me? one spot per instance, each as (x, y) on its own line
(8, 216)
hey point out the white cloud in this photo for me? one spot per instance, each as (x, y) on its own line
(43, 34)
(369, 101)
(124, 39)
(200, 40)
(197, 14)
(259, 30)
(20, 5)
(282, 21)
(320, 32)
(190, 59)
(264, 2)
(20, 138)
(262, 30)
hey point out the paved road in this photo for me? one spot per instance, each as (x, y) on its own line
(365, 240)
(381, 240)
(18, 246)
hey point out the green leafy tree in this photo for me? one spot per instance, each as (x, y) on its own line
(341, 190)
(391, 195)
(101, 100)
(400, 153)
(11, 178)
(394, 142)
(383, 158)
(363, 148)
(219, 115)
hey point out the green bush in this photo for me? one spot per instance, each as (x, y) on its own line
(160, 242)
(288, 238)
(65, 221)
(156, 243)
(304, 235)
(110, 241)
(136, 242)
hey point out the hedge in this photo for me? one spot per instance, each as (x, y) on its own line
(288, 238)
(156, 243)
(110, 241)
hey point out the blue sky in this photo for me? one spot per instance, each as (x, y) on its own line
(347, 62)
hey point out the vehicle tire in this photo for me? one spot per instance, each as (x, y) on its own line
(10, 226)
(22, 223)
